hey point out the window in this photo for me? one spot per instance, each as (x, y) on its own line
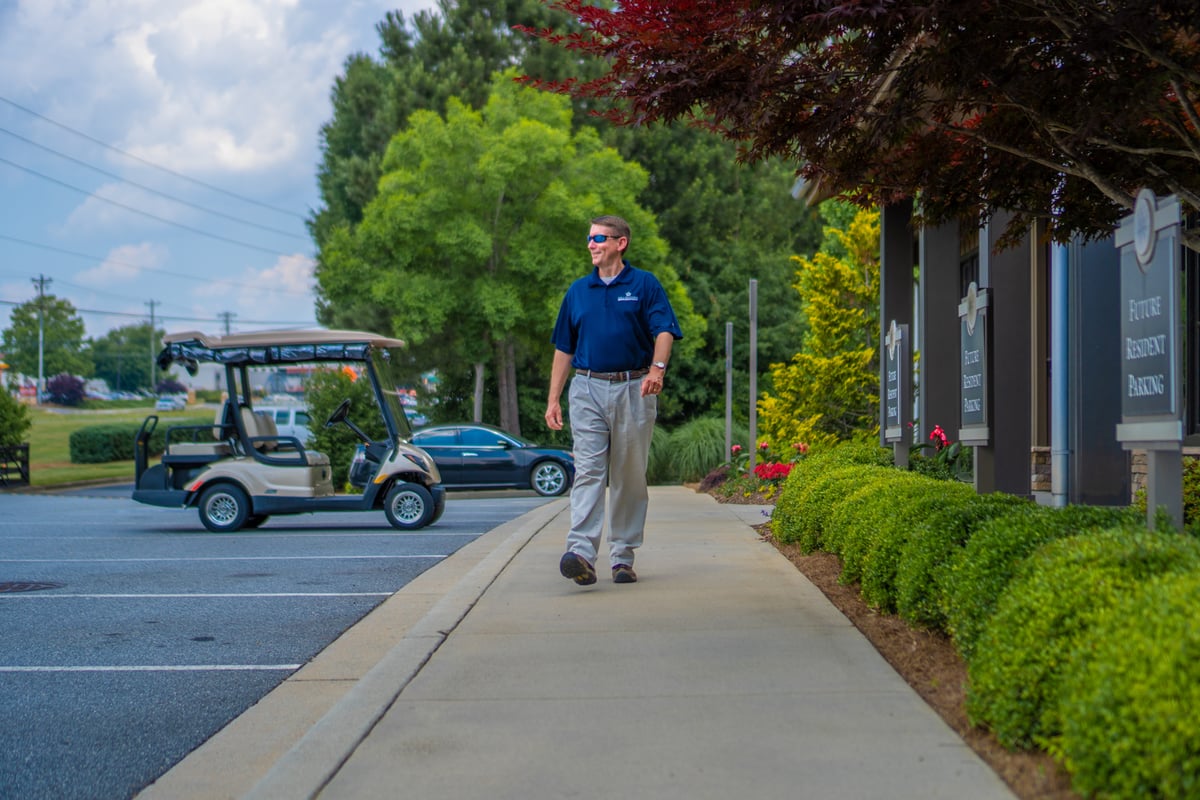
(444, 438)
(481, 437)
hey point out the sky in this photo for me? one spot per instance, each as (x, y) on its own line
(161, 157)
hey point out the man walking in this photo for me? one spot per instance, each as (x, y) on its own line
(615, 328)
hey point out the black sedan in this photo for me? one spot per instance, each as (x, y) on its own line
(476, 456)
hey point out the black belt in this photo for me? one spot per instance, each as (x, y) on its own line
(614, 377)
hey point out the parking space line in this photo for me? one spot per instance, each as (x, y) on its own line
(39, 596)
(160, 668)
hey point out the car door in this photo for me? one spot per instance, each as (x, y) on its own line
(443, 447)
(489, 458)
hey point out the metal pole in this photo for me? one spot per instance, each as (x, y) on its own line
(40, 281)
(1060, 438)
(728, 389)
(753, 372)
(153, 348)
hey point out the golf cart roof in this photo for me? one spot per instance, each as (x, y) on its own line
(270, 347)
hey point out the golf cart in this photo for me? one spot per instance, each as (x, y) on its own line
(239, 471)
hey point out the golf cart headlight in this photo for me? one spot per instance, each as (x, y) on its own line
(416, 459)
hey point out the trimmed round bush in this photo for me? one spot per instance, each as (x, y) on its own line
(879, 509)
(791, 520)
(928, 553)
(1131, 697)
(915, 502)
(982, 570)
(1048, 612)
(813, 503)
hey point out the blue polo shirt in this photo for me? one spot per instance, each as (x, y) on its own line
(611, 328)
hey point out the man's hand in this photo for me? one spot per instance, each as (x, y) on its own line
(653, 382)
(554, 416)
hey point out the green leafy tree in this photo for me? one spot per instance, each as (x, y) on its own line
(122, 356)
(830, 389)
(452, 51)
(727, 223)
(478, 229)
(15, 421)
(323, 392)
(63, 344)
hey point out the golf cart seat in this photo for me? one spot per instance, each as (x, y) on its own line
(198, 451)
(264, 437)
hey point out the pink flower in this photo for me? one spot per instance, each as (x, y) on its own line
(800, 447)
(938, 437)
(737, 448)
(762, 445)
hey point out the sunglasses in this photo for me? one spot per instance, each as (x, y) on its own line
(601, 238)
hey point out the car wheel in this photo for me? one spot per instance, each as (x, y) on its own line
(439, 508)
(224, 508)
(549, 478)
(408, 506)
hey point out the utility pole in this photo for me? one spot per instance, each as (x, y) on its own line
(40, 282)
(226, 317)
(153, 344)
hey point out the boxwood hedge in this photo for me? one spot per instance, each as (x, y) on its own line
(925, 557)
(1047, 613)
(99, 444)
(982, 570)
(1131, 696)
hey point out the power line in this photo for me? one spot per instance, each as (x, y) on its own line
(151, 190)
(139, 159)
(131, 265)
(174, 318)
(139, 211)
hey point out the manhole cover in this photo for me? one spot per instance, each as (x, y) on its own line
(7, 587)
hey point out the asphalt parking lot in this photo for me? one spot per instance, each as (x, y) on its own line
(129, 634)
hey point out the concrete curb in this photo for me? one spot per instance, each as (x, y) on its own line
(292, 742)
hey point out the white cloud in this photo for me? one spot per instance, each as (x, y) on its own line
(124, 264)
(280, 295)
(202, 86)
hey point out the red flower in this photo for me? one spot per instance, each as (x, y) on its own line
(938, 437)
(772, 472)
(762, 445)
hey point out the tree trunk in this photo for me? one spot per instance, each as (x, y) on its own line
(477, 411)
(506, 377)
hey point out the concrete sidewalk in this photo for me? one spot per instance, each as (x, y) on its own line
(722, 673)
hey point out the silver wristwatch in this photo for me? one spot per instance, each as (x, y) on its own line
(661, 365)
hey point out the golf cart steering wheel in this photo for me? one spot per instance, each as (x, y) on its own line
(339, 413)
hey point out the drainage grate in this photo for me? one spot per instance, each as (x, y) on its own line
(7, 587)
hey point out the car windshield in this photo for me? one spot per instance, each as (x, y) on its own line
(387, 363)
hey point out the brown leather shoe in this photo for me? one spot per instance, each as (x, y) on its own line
(576, 568)
(623, 573)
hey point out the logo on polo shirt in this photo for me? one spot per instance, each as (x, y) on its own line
(629, 297)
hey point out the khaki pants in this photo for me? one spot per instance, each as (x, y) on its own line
(611, 424)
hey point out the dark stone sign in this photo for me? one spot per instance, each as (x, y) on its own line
(1149, 333)
(897, 375)
(973, 367)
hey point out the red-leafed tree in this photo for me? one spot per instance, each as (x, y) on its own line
(970, 105)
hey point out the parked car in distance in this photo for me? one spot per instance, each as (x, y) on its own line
(290, 420)
(170, 402)
(477, 456)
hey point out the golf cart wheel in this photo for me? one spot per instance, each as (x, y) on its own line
(549, 478)
(224, 508)
(409, 506)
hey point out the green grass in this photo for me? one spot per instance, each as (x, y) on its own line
(49, 442)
